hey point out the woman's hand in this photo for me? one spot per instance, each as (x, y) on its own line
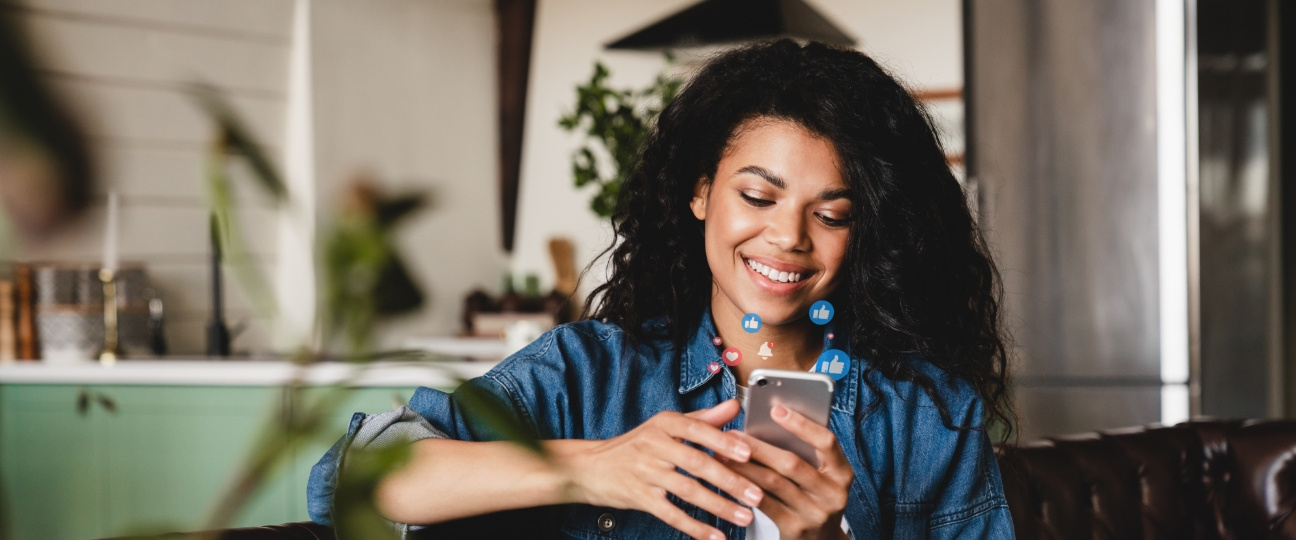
(636, 470)
(804, 502)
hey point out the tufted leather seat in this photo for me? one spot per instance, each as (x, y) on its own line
(1198, 480)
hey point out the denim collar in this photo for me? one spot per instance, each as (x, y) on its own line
(699, 352)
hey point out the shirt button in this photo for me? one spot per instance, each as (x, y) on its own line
(606, 522)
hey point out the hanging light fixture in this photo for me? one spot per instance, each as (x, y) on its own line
(715, 22)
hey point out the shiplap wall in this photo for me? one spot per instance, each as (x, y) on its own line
(122, 65)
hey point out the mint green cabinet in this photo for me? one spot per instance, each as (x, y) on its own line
(157, 463)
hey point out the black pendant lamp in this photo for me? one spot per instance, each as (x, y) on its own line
(715, 22)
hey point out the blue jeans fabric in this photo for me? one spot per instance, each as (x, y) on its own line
(914, 477)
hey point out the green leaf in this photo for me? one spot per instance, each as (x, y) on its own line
(486, 409)
(618, 120)
(238, 139)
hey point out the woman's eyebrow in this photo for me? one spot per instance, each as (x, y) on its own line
(767, 174)
(777, 181)
(834, 194)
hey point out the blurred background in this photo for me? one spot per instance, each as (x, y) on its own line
(1125, 158)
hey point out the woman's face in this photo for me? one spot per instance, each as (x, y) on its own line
(778, 218)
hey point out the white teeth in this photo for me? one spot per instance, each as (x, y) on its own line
(774, 275)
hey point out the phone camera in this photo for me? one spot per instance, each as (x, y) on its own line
(762, 382)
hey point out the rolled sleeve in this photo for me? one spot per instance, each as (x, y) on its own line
(364, 432)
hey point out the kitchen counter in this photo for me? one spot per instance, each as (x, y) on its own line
(243, 372)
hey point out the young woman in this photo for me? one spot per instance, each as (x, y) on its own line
(782, 175)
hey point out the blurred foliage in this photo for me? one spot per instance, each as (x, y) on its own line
(86, 398)
(46, 175)
(616, 123)
(363, 279)
(364, 275)
(233, 141)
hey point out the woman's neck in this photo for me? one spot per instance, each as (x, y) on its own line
(793, 346)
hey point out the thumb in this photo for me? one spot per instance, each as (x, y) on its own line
(719, 415)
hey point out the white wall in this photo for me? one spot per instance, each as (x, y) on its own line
(919, 40)
(405, 90)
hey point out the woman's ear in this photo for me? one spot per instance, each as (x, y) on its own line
(699, 203)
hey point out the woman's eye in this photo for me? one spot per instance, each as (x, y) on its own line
(834, 222)
(755, 201)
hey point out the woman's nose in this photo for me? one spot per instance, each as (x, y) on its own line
(786, 230)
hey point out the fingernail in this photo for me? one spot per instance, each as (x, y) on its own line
(717, 536)
(779, 412)
(752, 495)
(742, 451)
(742, 516)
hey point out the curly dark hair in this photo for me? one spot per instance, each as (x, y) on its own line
(919, 278)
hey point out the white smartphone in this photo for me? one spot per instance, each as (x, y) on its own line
(807, 393)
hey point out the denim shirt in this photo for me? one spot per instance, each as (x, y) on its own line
(914, 478)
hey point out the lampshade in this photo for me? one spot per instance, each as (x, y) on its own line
(712, 22)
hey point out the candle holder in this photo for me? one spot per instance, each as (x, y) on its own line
(111, 348)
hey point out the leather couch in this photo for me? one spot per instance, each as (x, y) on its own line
(1205, 479)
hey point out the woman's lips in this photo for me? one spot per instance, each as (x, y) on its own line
(775, 276)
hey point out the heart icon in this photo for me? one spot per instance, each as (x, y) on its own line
(716, 341)
(830, 335)
(714, 367)
(731, 356)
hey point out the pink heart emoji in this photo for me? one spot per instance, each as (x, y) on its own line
(714, 367)
(830, 335)
(732, 356)
(716, 341)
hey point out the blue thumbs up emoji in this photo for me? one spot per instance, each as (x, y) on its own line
(833, 363)
(751, 322)
(821, 312)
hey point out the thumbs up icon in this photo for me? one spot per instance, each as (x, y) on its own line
(821, 312)
(836, 366)
(833, 363)
(751, 323)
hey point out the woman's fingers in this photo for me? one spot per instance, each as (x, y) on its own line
(818, 436)
(719, 415)
(697, 427)
(705, 467)
(680, 520)
(775, 485)
(690, 490)
(832, 462)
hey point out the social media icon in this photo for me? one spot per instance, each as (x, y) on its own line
(713, 367)
(821, 312)
(833, 363)
(766, 350)
(751, 323)
(731, 356)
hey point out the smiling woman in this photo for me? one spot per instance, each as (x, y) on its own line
(791, 203)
